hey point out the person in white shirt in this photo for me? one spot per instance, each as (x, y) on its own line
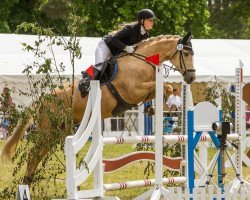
(174, 101)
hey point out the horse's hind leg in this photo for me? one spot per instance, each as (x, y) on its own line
(33, 161)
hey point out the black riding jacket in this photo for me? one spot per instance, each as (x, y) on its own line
(129, 35)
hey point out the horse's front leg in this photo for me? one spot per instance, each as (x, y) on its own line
(147, 90)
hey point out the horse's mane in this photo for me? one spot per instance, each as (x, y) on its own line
(151, 39)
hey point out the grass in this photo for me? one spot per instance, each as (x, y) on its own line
(132, 172)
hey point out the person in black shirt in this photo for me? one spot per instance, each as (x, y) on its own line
(116, 43)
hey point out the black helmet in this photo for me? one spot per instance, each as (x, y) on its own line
(145, 14)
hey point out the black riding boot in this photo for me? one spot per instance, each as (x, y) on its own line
(84, 83)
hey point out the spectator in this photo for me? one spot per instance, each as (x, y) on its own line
(6, 104)
(174, 101)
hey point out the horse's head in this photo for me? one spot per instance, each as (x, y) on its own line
(173, 48)
(182, 58)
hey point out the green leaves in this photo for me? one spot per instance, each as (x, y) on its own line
(230, 19)
(45, 68)
(172, 17)
(205, 18)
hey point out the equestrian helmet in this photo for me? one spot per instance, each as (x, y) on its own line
(145, 14)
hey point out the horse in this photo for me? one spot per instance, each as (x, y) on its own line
(246, 93)
(135, 82)
(246, 98)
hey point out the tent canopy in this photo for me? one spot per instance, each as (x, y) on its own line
(217, 59)
(13, 58)
(214, 59)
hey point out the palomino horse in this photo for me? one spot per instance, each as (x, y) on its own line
(135, 82)
(246, 98)
(246, 93)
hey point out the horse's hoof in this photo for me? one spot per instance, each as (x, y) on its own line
(149, 110)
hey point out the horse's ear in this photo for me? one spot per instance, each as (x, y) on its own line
(187, 38)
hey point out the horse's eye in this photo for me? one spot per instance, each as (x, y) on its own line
(186, 53)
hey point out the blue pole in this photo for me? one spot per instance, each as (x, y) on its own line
(148, 121)
(220, 159)
(191, 175)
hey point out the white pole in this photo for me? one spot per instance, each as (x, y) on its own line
(184, 147)
(238, 116)
(159, 128)
(97, 139)
(170, 139)
(141, 120)
(142, 183)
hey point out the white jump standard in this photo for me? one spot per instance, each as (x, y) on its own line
(93, 162)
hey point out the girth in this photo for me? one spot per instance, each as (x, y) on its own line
(122, 105)
(107, 75)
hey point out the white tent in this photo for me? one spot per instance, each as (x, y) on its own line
(13, 60)
(215, 60)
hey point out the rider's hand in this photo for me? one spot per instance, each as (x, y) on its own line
(129, 49)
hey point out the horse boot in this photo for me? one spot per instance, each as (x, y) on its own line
(84, 83)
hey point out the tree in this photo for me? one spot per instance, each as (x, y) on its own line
(5, 9)
(173, 17)
(229, 19)
(30, 11)
(103, 16)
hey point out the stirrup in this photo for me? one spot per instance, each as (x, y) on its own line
(84, 86)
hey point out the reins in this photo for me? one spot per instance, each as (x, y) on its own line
(137, 55)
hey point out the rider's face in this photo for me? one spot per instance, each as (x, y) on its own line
(148, 23)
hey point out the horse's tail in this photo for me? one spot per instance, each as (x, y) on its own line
(18, 132)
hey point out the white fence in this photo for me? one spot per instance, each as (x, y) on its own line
(209, 193)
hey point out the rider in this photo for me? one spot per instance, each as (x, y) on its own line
(121, 41)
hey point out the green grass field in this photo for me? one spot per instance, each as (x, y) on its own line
(132, 172)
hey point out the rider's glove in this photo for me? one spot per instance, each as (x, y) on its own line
(129, 49)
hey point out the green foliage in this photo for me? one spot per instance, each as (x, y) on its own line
(229, 19)
(172, 17)
(55, 9)
(103, 16)
(5, 9)
(204, 18)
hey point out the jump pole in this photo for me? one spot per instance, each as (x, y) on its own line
(240, 121)
(158, 191)
(239, 124)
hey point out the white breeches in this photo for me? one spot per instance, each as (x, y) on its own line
(102, 52)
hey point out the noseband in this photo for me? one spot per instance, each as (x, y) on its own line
(179, 48)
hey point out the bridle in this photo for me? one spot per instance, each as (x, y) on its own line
(179, 48)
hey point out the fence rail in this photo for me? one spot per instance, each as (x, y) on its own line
(208, 194)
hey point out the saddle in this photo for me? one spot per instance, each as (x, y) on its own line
(108, 73)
